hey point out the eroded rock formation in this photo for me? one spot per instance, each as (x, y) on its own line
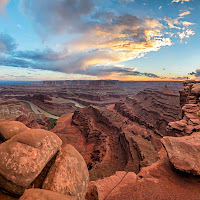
(189, 101)
(125, 136)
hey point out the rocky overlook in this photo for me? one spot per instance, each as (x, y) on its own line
(141, 147)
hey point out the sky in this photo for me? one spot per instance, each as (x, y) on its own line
(139, 40)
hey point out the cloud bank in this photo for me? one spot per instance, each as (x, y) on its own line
(102, 38)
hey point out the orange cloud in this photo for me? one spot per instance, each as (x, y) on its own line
(182, 1)
(185, 23)
(125, 37)
(184, 13)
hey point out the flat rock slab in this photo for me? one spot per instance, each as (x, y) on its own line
(69, 174)
(24, 156)
(8, 129)
(184, 152)
(160, 181)
(40, 194)
(113, 187)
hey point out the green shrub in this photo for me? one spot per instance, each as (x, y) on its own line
(53, 122)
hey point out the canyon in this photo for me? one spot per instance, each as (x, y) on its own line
(100, 140)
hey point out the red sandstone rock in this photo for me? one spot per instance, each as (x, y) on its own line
(39, 194)
(189, 99)
(31, 123)
(151, 108)
(35, 121)
(124, 136)
(42, 97)
(184, 152)
(4, 196)
(196, 89)
(160, 181)
(69, 174)
(8, 129)
(24, 156)
(114, 187)
(167, 90)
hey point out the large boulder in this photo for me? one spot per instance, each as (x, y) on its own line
(196, 89)
(184, 152)
(24, 156)
(40, 194)
(69, 174)
(8, 129)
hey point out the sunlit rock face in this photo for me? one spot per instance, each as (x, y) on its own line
(184, 152)
(24, 156)
(69, 174)
(8, 129)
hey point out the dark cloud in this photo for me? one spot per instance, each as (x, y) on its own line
(128, 20)
(196, 73)
(180, 78)
(23, 63)
(102, 71)
(15, 62)
(58, 15)
(7, 43)
(38, 55)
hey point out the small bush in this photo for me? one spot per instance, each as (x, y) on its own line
(53, 122)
